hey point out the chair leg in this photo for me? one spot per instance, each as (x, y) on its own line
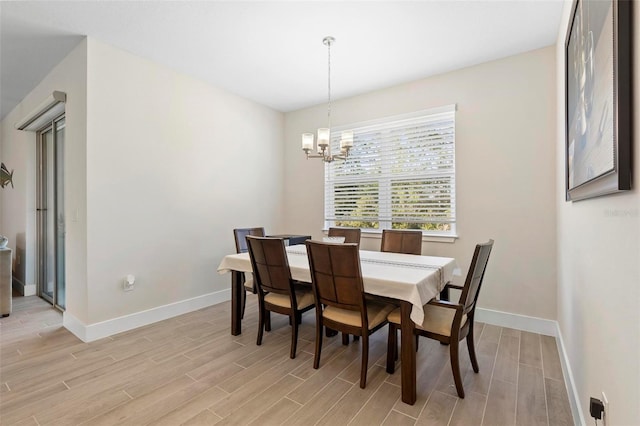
(472, 352)
(365, 360)
(455, 367)
(316, 357)
(294, 336)
(345, 339)
(392, 348)
(267, 320)
(244, 302)
(260, 323)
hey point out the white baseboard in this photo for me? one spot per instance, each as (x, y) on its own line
(518, 322)
(572, 392)
(91, 332)
(25, 290)
(547, 328)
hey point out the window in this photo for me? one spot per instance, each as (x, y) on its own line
(400, 174)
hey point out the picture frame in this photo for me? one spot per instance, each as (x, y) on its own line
(598, 99)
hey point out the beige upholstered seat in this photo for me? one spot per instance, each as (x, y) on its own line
(248, 283)
(275, 287)
(336, 279)
(449, 322)
(304, 299)
(376, 313)
(437, 319)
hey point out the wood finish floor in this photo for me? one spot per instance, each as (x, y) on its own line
(190, 370)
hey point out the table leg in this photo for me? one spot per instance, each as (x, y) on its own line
(444, 294)
(408, 354)
(236, 302)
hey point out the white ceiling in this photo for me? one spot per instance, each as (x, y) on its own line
(272, 52)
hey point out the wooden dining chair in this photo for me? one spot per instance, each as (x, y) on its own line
(401, 241)
(449, 322)
(351, 235)
(240, 235)
(276, 290)
(336, 279)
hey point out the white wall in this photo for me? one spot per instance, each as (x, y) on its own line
(18, 153)
(599, 275)
(505, 150)
(173, 165)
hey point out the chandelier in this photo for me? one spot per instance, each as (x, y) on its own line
(324, 133)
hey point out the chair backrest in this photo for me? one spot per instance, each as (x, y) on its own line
(336, 276)
(240, 234)
(472, 285)
(401, 241)
(351, 235)
(270, 265)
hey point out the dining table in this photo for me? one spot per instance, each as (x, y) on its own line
(408, 280)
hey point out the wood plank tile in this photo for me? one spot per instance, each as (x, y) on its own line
(479, 382)
(277, 413)
(377, 348)
(351, 404)
(468, 411)
(167, 373)
(204, 418)
(531, 404)
(29, 421)
(507, 360)
(257, 385)
(491, 333)
(398, 419)
(530, 350)
(376, 410)
(192, 408)
(279, 354)
(430, 366)
(501, 404)
(120, 413)
(320, 404)
(325, 374)
(438, 410)
(254, 407)
(23, 402)
(65, 414)
(558, 403)
(550, 358)
(166, 403)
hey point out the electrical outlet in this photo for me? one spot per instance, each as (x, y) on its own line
(605, 413)
(128, 283)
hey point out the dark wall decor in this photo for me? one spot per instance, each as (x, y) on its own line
(6, 176)
(598, 98)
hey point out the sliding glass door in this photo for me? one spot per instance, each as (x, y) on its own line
(50, 215)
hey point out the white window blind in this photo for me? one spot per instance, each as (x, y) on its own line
(400, 174)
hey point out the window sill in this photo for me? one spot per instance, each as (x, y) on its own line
(431, 238)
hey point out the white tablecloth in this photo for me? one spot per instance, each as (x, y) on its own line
(413, 278)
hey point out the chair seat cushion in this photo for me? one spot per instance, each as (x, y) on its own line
(437, 319)
(248, 285)
(376, 313)
(304, 299)
(248, 281)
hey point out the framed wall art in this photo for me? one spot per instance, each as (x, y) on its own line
(598, 98)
